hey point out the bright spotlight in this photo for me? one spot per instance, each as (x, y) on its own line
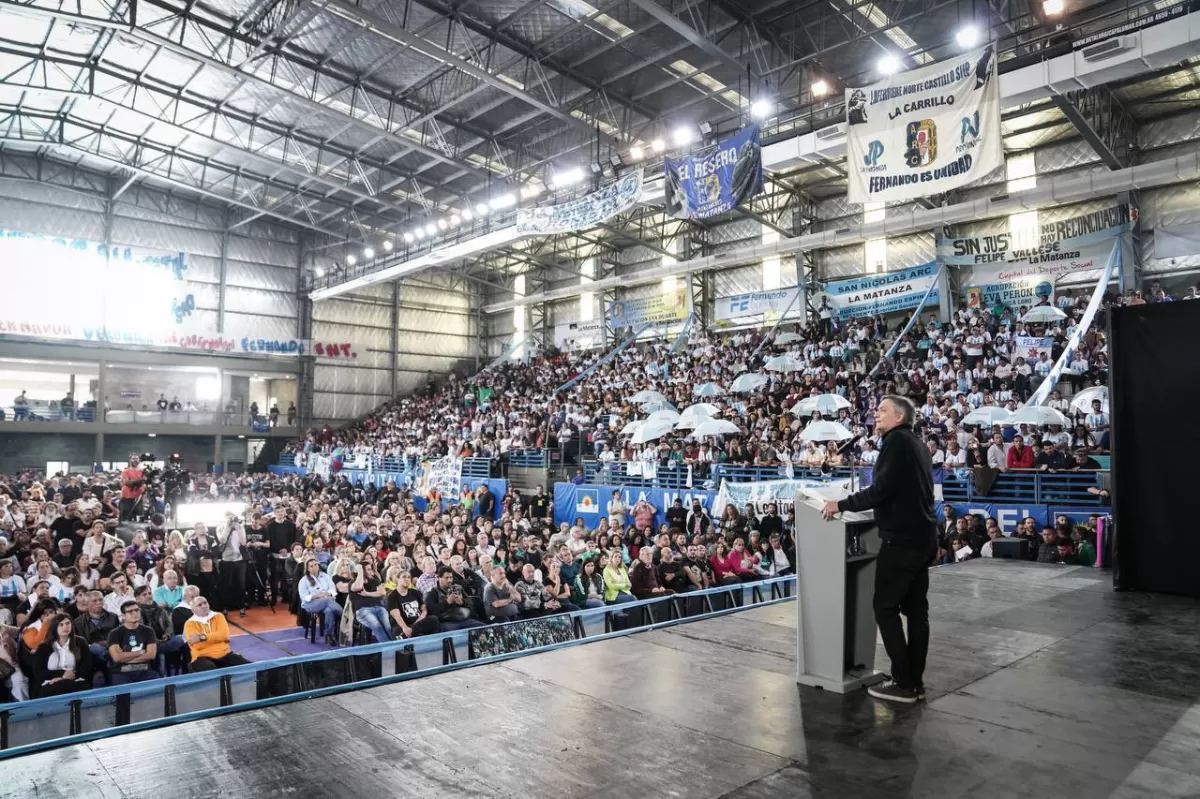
(636, 153)
(455, 220)
(420, 233)
(442, 224)
(431, 229)
(761, 109)
(1053, 8)
(967, 37)
(820, 88)
(408, 238)
(320, 272)
(683, 135)
(369, 253)
(483, 209)
(350, 259)
(888, 65)
(658, 145)
(568, 177)
(467, 214)
(503, 201)
(387, 246)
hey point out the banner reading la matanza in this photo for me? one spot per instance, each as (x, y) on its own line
(924, 131)
(881, 294)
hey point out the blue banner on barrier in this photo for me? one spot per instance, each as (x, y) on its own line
(571, 499)
(1006, 515)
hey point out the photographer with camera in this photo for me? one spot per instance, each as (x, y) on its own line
(233, 566)
(133, 486)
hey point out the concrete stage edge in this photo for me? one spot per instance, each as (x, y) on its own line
(1042, 682)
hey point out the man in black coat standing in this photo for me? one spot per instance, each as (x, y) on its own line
(901, 494)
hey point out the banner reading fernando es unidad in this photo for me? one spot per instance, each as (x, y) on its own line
(774, 301)
(996, 270)
(715, 180)
(658, 309)
(880, 294)
(924, 131)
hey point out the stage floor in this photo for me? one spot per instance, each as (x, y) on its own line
(1043, 683)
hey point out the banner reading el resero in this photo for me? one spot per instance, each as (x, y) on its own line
(715, 180)
(880, 294)
(925, 131)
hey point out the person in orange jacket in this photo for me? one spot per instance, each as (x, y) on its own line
(207, 634)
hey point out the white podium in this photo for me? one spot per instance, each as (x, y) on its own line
(835, 621)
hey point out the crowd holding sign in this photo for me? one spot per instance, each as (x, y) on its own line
(657, 309)
(579, 335)
(924, 131)
(715, 180)
(869, 295)
(588, 211)
(1031, 347)
(997, 271)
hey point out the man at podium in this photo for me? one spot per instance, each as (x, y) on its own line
(901, 494)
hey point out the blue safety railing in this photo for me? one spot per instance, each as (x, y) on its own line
(1037, 488)
(528, 458)
(51, 722)
(676, 477)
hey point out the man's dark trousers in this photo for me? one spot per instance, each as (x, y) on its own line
(902, 586)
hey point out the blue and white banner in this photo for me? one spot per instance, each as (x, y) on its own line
(587, 500)
(588, 211)
(869, 295)
(657, 309)
(715, 180)
(1000, 270)
(924, 131)
(775, 301)
(1031, 347)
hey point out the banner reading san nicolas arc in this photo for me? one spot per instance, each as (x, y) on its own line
(996, 270)
(588, 211)
(881, 294)
(657, 309)
(925, 131)
(715, 180)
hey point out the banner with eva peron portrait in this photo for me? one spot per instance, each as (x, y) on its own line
(924, 131)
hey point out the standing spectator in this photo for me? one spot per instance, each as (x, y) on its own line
(291, 414)
(273, 414)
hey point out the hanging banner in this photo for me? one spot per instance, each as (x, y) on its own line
(925, 131)
(880, 294)
(1031, 347)
(657, 309)
(715, 180)
(579, 335)
(443, 476)
(775, 301)
(588, 211)
(999, 271)
(781, 493)
(1176, 241)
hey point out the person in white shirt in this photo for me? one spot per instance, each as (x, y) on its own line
(121, 593)
(956, 456)
(997, 456)
(1097, 420)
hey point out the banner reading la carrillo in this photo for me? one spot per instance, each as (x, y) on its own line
(924, 131)
(657, 309)
(758, 302)
(996, 270)
(715, 180)
(880, 294)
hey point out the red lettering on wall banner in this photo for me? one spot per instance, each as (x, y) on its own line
(332, 350)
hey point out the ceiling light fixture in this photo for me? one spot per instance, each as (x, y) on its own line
(967, 36)
(387, 245)
(483, 209)
(683, 135)
(369, 253)
(888, 65)
(350, 259)
(431, 229)
(1053, 8)
(658, 145)
(408, 238)
(820, 88)
(636, 153)
(467, 214)
(761, 109)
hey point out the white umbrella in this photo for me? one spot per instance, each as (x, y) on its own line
(987, 415)
(748, 382)
(1043, 314)
(785, 363)
(652, 430)
(665, 415)
(1039, 415)
(695, 414)
(715, 427)
(788, 338)
(1083, 400)
(825, 403)
(826, 431)
(707, 390)
(657, 405)
(642, 397)
(632, 428)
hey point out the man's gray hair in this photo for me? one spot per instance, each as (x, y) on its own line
(908, 411)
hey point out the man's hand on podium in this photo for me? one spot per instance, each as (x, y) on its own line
(830, 509)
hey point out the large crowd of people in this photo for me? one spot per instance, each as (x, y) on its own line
(80, 606)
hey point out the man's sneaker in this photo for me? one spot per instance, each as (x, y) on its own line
(921, 693)
(891, 692)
